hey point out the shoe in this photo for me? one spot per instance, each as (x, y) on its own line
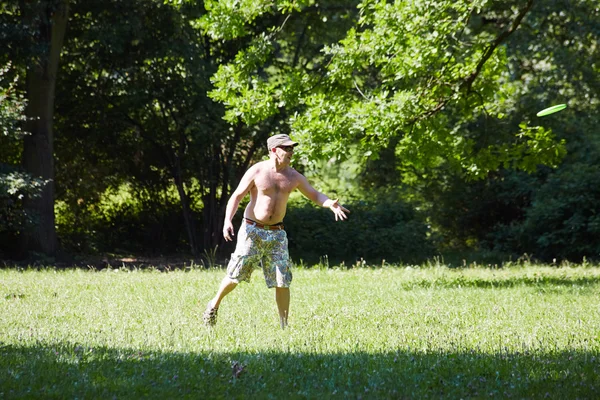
(210, 315)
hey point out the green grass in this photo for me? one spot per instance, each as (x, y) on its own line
(519, 332)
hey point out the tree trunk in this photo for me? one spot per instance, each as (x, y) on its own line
(210, 212)
(188, 218)
(50, 18)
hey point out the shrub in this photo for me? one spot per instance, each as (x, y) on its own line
(379, 229)
(128, 227)
(563, 221)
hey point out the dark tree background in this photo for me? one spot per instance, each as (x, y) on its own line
(126, 124)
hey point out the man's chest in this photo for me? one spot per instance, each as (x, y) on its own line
(275, 183)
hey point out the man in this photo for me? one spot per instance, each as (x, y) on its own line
(261, 238)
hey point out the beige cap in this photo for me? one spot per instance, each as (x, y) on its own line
(280, 140)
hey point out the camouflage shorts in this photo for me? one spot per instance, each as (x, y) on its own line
(260, 247)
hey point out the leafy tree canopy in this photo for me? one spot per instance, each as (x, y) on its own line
(411, 75)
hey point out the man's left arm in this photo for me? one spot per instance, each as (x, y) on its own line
(319, 198)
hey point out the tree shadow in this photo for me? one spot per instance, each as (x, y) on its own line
(65, 370)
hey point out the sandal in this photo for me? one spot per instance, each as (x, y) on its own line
(210, 315)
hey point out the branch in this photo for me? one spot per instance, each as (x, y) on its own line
(359, 91)
(299, 45)
(489, 51)
(468, 83)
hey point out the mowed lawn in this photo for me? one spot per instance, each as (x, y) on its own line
(392, 332)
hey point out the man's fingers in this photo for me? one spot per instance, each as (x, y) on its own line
(227, 234)
(336, 203)
(339, 211)
(340, 215)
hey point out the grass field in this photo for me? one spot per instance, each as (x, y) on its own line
(518, 332)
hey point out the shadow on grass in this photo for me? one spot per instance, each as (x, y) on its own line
(71, 371)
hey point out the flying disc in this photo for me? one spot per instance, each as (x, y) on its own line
(551, 110)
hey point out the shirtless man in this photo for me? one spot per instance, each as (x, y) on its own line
(261, 238)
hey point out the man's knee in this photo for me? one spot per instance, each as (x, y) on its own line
(229, 281)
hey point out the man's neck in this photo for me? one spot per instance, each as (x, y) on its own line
(279, 165)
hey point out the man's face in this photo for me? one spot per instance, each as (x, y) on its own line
(284, 153)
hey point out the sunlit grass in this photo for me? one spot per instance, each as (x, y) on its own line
(525, 332)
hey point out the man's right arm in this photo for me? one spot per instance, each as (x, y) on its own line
(234, 202)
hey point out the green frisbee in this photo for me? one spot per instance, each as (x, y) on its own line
(551, 110)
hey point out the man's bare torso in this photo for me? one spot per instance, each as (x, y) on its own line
(269, 193)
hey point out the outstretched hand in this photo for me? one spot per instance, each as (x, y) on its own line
(338, 210)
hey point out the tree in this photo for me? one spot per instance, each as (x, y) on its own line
(35, 33)
(147, 80)
(151, 123)
(549, 215)
(407, 74)
(14, 183)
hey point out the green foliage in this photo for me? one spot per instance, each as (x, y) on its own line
(227, 19)
(122, 226)
(551, 215)
(14, 185)
(563, 222)
(467, 216)
(405, 72)
(382, 227)
(381, 94)
(538, 214)
(150, 124)
(533, 146)
(270, 73)
(12, 116)
(12, 104)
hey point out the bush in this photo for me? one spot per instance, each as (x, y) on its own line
(14, 186)
(130, 227)
(563, 221)
(379, 229)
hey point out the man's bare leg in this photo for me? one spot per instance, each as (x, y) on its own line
(282, 297)
(227, 285)
(210, 314)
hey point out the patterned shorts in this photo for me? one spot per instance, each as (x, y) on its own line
(260, 247)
